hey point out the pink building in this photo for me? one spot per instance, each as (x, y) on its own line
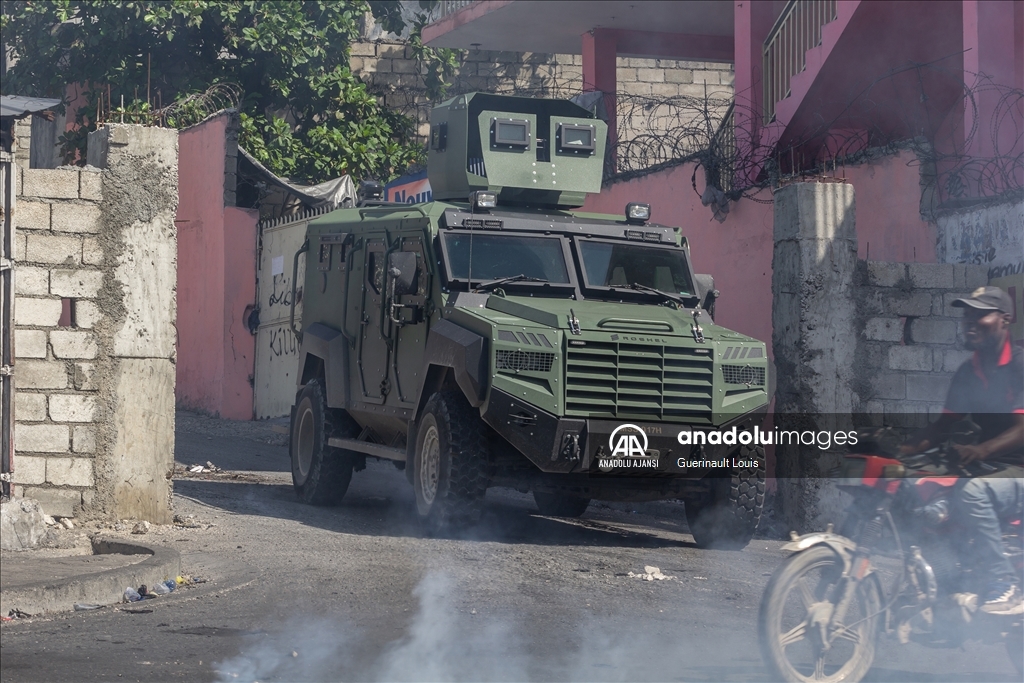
(917, 104)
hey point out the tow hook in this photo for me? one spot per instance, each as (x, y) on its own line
(698, 332)
(574, 323)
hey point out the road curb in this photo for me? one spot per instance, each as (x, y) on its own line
(99, 588)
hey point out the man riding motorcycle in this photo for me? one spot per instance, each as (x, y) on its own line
(989, 387)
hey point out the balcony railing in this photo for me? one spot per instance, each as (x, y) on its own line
(796, 31)
(452, 6)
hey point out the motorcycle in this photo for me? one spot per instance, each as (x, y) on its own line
(893, 569)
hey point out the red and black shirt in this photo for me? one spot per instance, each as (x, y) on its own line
(991, 393)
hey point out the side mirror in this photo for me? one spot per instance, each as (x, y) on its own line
(402, 271)
(707, 293)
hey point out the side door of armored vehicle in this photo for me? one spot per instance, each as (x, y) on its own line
(408, 311)
(374, 350)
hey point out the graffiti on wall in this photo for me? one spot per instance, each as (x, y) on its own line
(282, 343)
(991, 235)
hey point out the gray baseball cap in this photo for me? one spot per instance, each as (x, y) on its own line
(987, 299)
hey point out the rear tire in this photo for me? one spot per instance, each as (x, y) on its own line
(321, 474)
(727, 515)
(560, 505)
(796, 604)
(451, 468)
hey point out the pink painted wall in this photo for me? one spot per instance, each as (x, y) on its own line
(216, 280)
(738, 252)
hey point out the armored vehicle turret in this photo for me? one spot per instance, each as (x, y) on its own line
(497, 336)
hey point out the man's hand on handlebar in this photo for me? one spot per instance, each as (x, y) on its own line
(969, 454)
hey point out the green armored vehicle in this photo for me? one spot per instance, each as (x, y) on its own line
(497, 337)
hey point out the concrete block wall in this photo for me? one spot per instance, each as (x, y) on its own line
(95, 328)
(390, 68)
(910, 337)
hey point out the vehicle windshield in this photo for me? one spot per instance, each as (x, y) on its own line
(492, 257)
(618, 264)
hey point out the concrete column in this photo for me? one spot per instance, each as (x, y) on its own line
(599, 51)
(752, 21)
(814, 339)
(135, 367)
(993, 35)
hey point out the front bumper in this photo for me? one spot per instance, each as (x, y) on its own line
(571, 445)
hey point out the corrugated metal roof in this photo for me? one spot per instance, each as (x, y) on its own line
(18, 107)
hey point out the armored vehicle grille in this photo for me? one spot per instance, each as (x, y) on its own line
(638, 381)
(743, 374)
(533, 361)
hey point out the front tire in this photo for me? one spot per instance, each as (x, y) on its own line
(451, 464)
(727, 515)
(321, 474)
(796, 642)
(560, 505)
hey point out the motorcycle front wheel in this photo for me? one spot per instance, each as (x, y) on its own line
(799, 641)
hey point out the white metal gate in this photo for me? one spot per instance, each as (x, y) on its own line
(277, 349)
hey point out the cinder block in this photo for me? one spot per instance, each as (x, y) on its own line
(40, 374)
(90, 185)
(636, 88)
(55, 502)
(41, 438)
(625, 74)
(87, 314)
(932, 331)
(84, 377)
(83, 439)
(32, 281)
(952, 359)
(913, 358)
(709, 77)
(915, 304)
(32, 312)
(73, 344)
(32, 215)
(50, 183)
(948, 309)
(884, 329)
(887, 386)
(885, 274)
(76, 218)
(92, 252)
(53, 249)
(69, 471)
(930, 387)
(931, 275)
(975, 276)
(72, 407)
(727, 77)
(20, 246)
(29, 470)
(30, 344)
(651, 75)
(76, 283)
(363, 50)
(664, 89)
(678, 76)
(381, 66)
(403, 66)
(30, 408)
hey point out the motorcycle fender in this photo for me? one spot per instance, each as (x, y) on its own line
(840, 545)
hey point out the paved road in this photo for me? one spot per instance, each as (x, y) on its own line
(358, 593)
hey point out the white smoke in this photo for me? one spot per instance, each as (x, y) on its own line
(441, 644)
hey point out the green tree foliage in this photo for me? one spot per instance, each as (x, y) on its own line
(304, 114)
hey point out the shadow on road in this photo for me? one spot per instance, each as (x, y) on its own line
(367, 511)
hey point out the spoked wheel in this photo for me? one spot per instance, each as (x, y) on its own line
(802, 639)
